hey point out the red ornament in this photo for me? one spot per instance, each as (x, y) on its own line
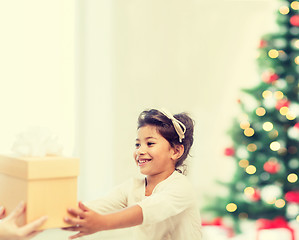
(269, 77)
(217, 222)
(282, 103)
(294, 20)
(230, 151)
(296, 126)
(263, 43)
(292, 196)
(272, 167)
(256, 196)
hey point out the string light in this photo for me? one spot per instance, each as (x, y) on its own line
(251, 169)
(251, 147)
(278, 95)
(280, 203)
(290, 116)
(273, 134)
(275, 146)
(284, 10)
(295, 5)
(296, 43)
(249, 191)
(273, 53)
(268, 126)
(244, 124)
(260, 111)
(282, 151)
(267, 94)
(248, 132)
(292, 178)
(243, 163)
(231, 207)
(284, 111)
(297, 60)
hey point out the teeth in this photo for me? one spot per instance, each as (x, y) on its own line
(143, 161)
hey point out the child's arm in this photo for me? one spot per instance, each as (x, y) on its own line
(87, 221)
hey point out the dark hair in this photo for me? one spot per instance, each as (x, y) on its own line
(165, 127)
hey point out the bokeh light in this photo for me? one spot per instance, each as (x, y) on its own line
(275, 146)
(251, 147)
(260, 111)
(292, 178)
(273, 134)
(295, 5)
(268, 126)
(231, 207)
(284, 111)
(284, 10)
(244, 124)
(249, 191)
(280, 203)
(267, 94)
(248, 132)
(278, 95)
(273, 53)
(251, 169)
(243, 163)
(290, 116)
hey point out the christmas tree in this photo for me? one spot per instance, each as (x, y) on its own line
(266, 136)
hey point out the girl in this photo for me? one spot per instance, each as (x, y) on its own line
(162, 204)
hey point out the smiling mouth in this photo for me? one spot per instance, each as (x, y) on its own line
(143, 161)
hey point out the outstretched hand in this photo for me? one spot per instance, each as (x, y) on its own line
(2, 212)
(9, 230)
(84, 220)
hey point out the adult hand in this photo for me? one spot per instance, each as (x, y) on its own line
(2, 212)
(9, 230)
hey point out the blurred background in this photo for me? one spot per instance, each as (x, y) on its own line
(86, 69)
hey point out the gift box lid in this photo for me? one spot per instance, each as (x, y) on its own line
(39, 167)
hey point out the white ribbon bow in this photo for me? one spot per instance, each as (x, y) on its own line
(178, 125)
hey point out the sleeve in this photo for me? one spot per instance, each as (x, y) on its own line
(115, 200)
(167, 202)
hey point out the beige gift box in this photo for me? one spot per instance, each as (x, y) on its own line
(48, 186)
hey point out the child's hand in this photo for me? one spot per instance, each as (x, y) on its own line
(85, 221)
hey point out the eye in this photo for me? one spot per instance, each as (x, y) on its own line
(150, 144)
(137, 145)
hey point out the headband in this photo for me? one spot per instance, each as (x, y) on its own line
(179, 127)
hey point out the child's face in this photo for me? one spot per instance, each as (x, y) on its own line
(153, 155)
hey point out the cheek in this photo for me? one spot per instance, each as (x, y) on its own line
(134, 155)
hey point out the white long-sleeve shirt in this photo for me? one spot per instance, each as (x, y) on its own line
(169, 213)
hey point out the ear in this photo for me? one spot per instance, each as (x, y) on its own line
(178, 151)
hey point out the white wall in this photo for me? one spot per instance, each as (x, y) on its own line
(86, 69)
(189, 56)
(37, 85)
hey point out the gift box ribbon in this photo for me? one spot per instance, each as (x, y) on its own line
(219, 223)
(278, 222)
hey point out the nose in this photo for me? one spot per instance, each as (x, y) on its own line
(140, 151)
